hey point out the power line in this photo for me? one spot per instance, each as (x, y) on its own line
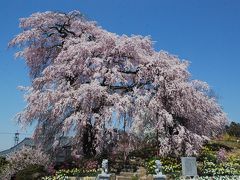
(14, 133)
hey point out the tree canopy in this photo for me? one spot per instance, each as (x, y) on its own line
(233, 129)
(86, 80)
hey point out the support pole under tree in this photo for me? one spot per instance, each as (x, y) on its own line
(157, 134)
(157, 144)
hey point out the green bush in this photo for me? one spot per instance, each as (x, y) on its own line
(3, 163)
(65, 173)
(212, 169)
(210, 166)
(233, 129)
(170, 166)
(207, 154)
(227, 177)
(217, 147)
(144, 153)
(234, 159)
(32, 172)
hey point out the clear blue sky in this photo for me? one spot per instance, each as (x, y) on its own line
(207, 33)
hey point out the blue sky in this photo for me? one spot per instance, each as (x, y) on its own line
(207, 33)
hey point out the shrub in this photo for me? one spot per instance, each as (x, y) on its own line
(234, 159)
(217, 147)
(91, 164)
(221, 155)
(227, 177)
(170, 166)
(144, 153)
(117, 163)
(3, 163)
(207, 154)
(31, 172)
(219, 166)
(233, 129)
(22, 159)
(212, 169)
(63, 174)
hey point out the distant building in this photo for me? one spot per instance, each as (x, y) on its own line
(27, 142)
(63, 153)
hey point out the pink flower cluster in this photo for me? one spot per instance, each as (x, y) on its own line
(83, 75)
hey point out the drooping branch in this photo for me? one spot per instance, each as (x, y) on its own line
(62, 30)
(82, 73)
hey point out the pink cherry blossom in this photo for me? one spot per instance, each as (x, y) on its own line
(84, 76)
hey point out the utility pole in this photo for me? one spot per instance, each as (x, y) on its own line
(16, 138)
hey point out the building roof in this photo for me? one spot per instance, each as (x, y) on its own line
(27, 142)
